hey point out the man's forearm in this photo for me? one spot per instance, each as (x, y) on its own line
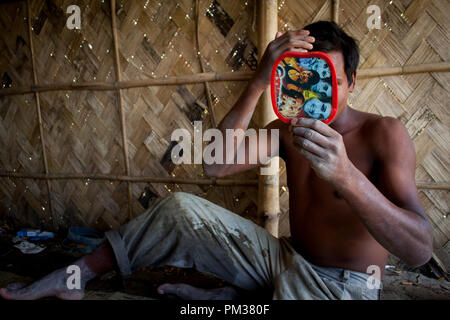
(238, 118)
(241, 113)
(404, 233)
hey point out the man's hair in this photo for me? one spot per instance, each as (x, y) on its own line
(329, 36)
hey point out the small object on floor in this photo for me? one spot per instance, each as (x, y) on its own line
(33, 235)
(44, 235)
(389, 267)
(29, 248)
(82, 240)
(28, 232)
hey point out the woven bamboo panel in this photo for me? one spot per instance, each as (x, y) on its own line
(157, 39)
(82, 128)
(24, 200)
(420, 101)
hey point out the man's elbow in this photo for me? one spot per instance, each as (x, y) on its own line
(425, 252)
(419, 259)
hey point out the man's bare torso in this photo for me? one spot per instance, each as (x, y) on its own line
(323, 227)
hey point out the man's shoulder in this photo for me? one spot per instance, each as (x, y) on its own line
(381, 127)
(377, 123)
(385, 134)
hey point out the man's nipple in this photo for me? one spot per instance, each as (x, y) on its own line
(337, 194)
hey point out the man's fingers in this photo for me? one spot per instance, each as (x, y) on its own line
(297, 50)
(296, 40)
(299, 46)
(316, 125)
(310, 146)
(296, 33)
(311, 135)
(301, 32)
(290, 44)
(298, 43)
(311, 157)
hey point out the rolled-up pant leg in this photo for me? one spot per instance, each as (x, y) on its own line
(187, 231)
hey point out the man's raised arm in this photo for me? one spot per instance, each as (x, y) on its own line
(238, 118)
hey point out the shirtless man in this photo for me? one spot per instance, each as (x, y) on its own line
(352, 197)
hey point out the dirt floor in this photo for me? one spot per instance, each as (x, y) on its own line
(18, 267)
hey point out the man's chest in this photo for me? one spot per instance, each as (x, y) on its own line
(301, 175)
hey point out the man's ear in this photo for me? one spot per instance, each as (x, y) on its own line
(352, 87)
(279, 34)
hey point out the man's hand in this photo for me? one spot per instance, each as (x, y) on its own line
(290, 41)
(323, 147)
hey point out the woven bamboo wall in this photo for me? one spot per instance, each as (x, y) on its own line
(82, 129)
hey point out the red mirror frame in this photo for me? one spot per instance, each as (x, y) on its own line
(312, 54)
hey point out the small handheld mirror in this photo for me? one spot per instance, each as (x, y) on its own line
(304, 85)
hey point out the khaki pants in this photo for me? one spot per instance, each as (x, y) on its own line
(187, 231)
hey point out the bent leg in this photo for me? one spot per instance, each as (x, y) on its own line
(54, 284)
(187, 231)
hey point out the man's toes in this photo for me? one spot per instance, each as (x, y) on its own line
(10, 291)
(78, 295)
(180, 290)
(168, 288)
(5, 293)
(15, 286)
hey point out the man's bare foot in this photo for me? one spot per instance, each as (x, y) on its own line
(187, 292)
(54, 284)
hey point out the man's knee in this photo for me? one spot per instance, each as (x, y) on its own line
(179, 203)
(192, 209)
(182, 200)
(180, 197)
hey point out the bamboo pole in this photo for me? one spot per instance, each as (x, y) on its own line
(403, 70)
(336, 11)
(210, 77)
(433, 185)
(422, 185)
(188, 79)
(130, 84)
(268, 192)
(38, 111)
(126, 178)
(120, 103)
(202, 67)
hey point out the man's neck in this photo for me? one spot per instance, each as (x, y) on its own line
(344, 122)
